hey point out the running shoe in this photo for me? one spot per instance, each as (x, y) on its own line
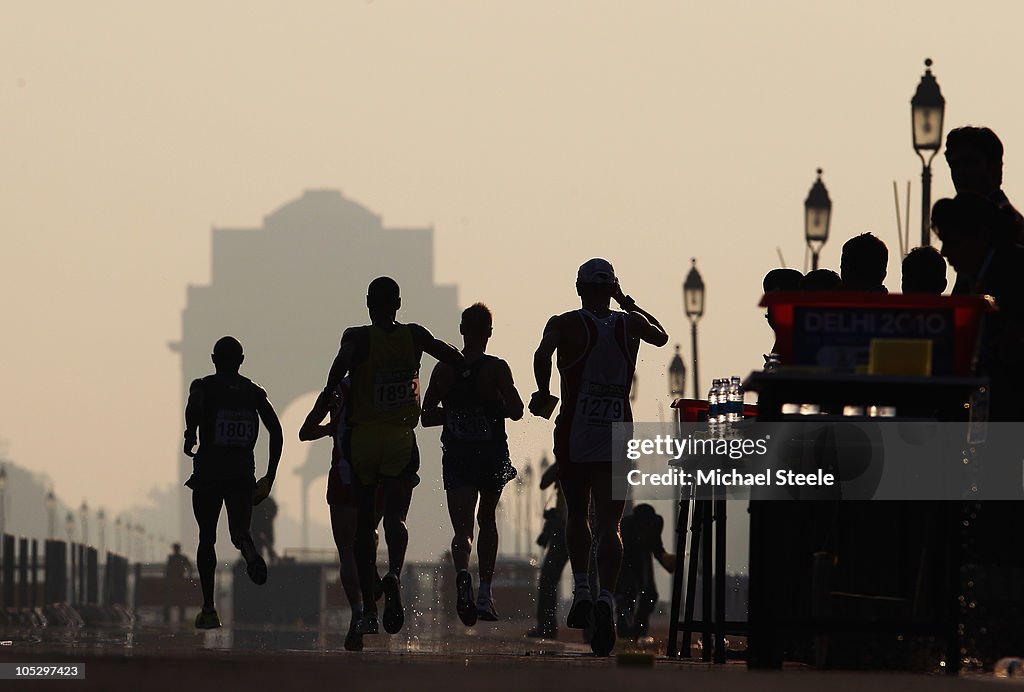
(354, 638)
(207, 619)
(394, 613)
(256, 568)
(366, 624)
(485, 611)
(603, 640)
(580, 613)
(464, 599)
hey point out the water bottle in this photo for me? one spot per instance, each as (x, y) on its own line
(723, 401)
(1009, 667)
(734, 410)
(713, 406)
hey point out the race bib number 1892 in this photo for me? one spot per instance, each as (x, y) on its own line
(396, 390)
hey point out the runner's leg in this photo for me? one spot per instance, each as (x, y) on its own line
(487, 541)
(461, 503)
(343, 526)
(206, 506)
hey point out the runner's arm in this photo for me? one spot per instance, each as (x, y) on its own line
(311, 427)
(443, 352)
(509, 393)
(269, 417)
(440, 383)
(641, 322)
(192, 408)
(542, 356)
(342, 362)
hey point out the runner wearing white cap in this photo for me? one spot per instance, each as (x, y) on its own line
(596, 354)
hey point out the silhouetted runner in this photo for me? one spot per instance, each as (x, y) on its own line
(636, 592)
(477, 396)
(341, 499)
(552, 537)
(597, 349)
(383, 362)
(226, 409)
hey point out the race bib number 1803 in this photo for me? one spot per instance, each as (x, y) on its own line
(234, 428)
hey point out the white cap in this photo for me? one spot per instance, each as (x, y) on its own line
(596, 271)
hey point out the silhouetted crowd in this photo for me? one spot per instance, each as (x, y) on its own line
(981, 236)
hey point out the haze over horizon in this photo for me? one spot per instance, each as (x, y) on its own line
(530, 137)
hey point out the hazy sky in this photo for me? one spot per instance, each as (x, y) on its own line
(530, 135)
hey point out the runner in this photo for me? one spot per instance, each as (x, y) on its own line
(597, 349)
(224, 408)
(477, 398)
(341, 499)
(383, 361)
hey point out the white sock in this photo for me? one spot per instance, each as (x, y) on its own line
(484, 594)
(581, 587)
(607, 597)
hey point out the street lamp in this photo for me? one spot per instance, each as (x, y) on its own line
(693, 303)
(817, 214)
(69, 524)
(528, 482)
(676, 376)
(3, 497)
(926, 110)
(101, 521)
(83, 511)
(117, 535)
(51, 508)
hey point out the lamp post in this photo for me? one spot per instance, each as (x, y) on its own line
(117, 535)
(83, 512)
(693, 303)
(676, 376)
(3, 500)
(926, 111)
(51, 508)
(101, 525)
(817, 214)
(528, 482)
(69, 524)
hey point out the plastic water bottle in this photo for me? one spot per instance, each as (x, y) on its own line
(734, 409)
(723, 401)
(1009, 667)
(713, 406)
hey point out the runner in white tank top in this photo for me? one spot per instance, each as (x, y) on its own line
(596, 353)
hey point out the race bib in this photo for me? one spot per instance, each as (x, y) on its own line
(396, 390)
(234, 428)
(597, 410)
(469, 424)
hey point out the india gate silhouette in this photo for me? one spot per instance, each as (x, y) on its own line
(287, 290)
